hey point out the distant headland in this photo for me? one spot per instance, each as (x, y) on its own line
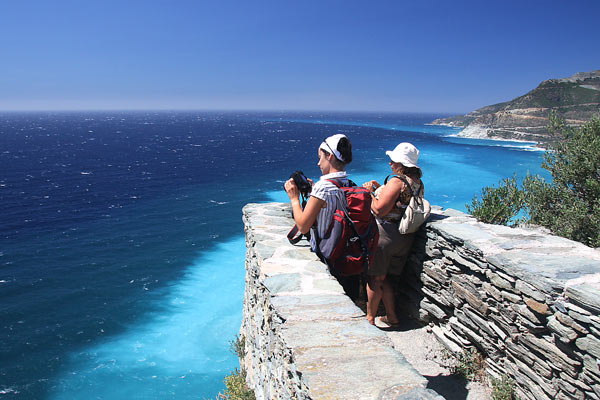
(576, 99)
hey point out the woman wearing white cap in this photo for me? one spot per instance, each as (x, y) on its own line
(389, 203)
(334, 153)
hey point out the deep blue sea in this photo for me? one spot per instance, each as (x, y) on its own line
(121, 240)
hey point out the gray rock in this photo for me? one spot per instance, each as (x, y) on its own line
(586, 296)
(283, 283)
(265, 251)
(478, 323)
(492, 291)
(357, 372)
(465, 289)
(530, 291)
(436, 273)
(457, 259)
(570, 322)
(551, 352)
(577, 309)
(592, 365)
(564, 333)
(589, 344)
(433, 309)
(525, 312)
(546, 385)
(438, 297)
(498, 281)
(513, 298)
(575, 382)
(447, 339)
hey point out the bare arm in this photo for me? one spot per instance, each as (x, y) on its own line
(387, 198)
(304, 219)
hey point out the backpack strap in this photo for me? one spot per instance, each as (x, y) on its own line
(293, 239)
(337, 183)
(403, 179)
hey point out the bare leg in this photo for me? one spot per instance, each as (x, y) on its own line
(374, 295)
(389, 301)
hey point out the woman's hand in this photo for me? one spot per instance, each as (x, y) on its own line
(371, 185)
(291, 189)
(382, 205)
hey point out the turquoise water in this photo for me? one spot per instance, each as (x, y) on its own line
(122, 258)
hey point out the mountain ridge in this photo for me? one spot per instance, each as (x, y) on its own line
(576, 99)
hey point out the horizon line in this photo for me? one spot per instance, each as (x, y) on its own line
(246, 110)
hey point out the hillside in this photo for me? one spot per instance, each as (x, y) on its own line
(526, 118)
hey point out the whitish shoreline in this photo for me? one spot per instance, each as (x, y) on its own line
(479, 132)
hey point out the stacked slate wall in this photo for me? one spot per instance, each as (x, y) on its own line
(527, 300)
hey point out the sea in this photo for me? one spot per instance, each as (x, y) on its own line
(121, 238)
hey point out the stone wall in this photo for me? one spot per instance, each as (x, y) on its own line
(527, 300)
(303, 337)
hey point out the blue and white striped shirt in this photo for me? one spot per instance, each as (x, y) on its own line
(334, 198)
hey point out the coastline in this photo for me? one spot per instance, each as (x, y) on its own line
(480, 132)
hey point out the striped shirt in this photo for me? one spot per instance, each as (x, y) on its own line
(334, 199)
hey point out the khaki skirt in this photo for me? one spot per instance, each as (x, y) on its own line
(392, 250)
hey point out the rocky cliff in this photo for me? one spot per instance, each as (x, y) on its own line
(575, 99)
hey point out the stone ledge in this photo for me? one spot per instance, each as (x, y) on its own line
(547, 262)
(304, 337)
(528, 300)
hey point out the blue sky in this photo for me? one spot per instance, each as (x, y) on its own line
(426, 56)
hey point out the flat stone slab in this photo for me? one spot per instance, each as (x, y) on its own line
(586, 295)
(356, 372)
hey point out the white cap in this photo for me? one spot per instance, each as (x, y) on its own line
(330, 144)
(406, 154)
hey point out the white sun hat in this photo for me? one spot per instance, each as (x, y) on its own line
(406, 154)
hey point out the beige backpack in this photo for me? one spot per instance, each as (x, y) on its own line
(416, 213)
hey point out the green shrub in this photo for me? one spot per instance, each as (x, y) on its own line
(235, 382)
(499, 205)
(470, 364)
(503, 389)
(237, 346)
(236, 388)
(569, 205)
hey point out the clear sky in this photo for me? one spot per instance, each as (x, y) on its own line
(437, 56)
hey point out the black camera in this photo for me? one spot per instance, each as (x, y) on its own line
(304, 186)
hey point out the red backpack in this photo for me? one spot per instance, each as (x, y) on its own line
(348, 246)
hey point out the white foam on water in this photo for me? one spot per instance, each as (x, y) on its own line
(181, 351)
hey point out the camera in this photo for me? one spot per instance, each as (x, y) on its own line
(304, 186)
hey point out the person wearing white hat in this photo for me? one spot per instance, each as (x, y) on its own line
(388, 205)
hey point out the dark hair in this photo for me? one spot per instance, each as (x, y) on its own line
(413, 172)
(345, 148)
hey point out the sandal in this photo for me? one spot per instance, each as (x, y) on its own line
(385, 320)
